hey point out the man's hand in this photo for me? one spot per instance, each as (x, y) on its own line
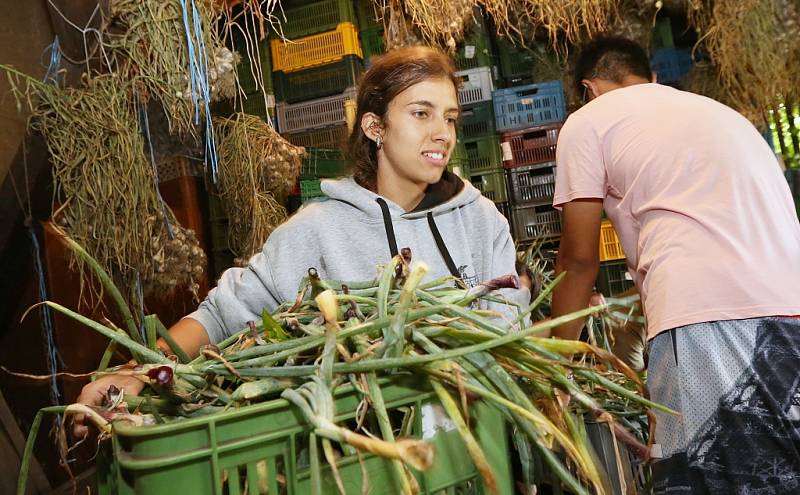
(94, 393)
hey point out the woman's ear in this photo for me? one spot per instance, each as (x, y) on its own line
(371, 126)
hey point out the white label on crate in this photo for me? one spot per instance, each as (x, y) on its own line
(507, 155)
(526, 101)
(434, 420)
(270, 101)
(628, 275)
(469, 51)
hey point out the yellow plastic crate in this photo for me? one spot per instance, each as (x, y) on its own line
(315, 50)
(610, 247)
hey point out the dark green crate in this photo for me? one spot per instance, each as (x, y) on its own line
(517, 63)
(483, 154)
(613, 278)
(477, 120)
(313, 18)
(371, 42)
(255, 104)
(317, 82)
(458, 163)
(323, 162)
(474, 52)
(330, 137)
(491, 184)
(367, 13)
(662, 34)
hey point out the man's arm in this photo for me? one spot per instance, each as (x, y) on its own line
(578, 255)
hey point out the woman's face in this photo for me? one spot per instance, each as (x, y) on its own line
(419, 133)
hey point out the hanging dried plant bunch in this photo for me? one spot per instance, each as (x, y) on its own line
(746, 40)
(441, 22)
(106, 196)
(148, 44)
(256, 165)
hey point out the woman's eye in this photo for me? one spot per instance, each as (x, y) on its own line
(451, 120)
(420, 114)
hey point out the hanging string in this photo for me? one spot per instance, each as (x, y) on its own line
(198, 79)
(55, 62)
(53, 357)
(144, 123)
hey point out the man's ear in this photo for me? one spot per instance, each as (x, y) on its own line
(371, 125)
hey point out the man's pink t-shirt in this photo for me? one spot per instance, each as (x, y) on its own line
(696, 195)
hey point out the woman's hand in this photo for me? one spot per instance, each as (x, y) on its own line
(93, 394)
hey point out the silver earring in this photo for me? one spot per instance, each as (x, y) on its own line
(378, 142)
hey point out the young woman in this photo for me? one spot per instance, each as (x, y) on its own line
(400, 195)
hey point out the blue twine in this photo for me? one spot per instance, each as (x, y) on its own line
(145, 124)
(198, 78)
(53, 357)
(55, 61)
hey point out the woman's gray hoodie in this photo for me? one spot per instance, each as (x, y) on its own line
(348, 234)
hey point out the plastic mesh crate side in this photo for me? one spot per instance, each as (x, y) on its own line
(536, 222)
(491, 184)
(332, 137)
(610, 246)
(317, 17)
(326, 80)
(671, 64)
(613, 278)
(532, 184)
(323, 162)
(226, 452)
(528, 106)
(314, 114)
(310, 189)
(317, 49)
(474, 52)
(530, 146)
(476, 85)
(372, 42)
(477, 120)
(483, 154)
(517, 63)
(614, 458)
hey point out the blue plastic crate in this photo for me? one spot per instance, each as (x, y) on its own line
(671, 64)
(529, 105)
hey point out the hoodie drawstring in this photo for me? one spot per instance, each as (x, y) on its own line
(437, 237)
(387, 224)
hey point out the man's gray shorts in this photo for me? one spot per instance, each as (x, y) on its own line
(737, 385)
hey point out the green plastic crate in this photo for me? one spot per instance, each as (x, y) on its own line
(371, 42)
(325, 80)
(323, 162)
(255, 104)
(483, 154)
(367, 13)
(474, 52)
(315, 17)
(517, 63)
(662, 34)
(331, 137)
(458, 163)
(264, 444)
(492, 184)
(477, 120)
(310, 189)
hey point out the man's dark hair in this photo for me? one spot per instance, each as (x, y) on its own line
(611, 58)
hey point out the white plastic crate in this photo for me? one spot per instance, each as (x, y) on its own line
(313, 114)
(476, 85)
(536, 222)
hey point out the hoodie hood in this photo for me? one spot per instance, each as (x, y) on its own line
(449, 193)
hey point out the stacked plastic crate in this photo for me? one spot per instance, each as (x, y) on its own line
(528, 118)
(315, 70)
(477, 67)
(370, 23)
